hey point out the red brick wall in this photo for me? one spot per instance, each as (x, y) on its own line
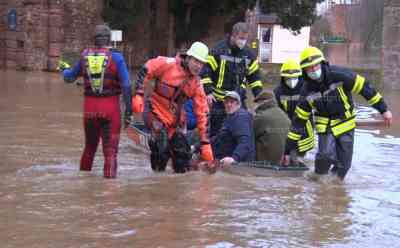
(2, 34)
(44, 30)
(48, 28)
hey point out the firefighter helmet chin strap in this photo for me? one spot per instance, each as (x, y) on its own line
(96, 67)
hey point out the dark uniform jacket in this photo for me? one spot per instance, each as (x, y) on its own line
(287, 100)
(271, 126)
(229, 68)
(236, 137)
(333, 102)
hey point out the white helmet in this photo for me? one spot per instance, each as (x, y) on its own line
(199, 51)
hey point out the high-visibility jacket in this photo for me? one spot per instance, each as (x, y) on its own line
(287, 100)
(230, 68)
(99, 72)
(174, 84)
(105, 74)
(332, 101)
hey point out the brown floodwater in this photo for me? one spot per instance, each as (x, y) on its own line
(46, 202)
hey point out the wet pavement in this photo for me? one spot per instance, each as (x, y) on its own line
(46, 202)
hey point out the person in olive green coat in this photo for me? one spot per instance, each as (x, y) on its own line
(271, 126)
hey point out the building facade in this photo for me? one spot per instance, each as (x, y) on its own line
(34, 33)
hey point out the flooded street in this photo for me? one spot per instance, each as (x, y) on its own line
(46, 202)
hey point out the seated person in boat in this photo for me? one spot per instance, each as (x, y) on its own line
(234, 142)
(271, 126)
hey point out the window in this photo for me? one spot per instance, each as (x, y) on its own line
(266, 35)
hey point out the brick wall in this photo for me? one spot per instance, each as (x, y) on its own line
(23, 46)
(47, 29)
(2, 34)
(72, 26)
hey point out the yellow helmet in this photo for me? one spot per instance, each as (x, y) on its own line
(290, 69)
(310, 56)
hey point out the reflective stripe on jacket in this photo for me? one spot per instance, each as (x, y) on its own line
(332, 101)
(99, 72)
(171, 78)
(287, 100)
(230, 68)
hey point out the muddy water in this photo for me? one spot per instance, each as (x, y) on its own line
(46, 202)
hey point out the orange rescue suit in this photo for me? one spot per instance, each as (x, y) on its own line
(171, 78)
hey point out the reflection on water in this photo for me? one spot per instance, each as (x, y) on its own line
(46, 202)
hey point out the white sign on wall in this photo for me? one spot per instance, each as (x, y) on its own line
(116, 35)
(287, 45)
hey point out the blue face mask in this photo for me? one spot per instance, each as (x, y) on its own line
(315, 75)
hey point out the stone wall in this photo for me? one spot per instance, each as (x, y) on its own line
(2, 35)
(48, 29)
(391, 44)
(24, 47)
(45, 28)
(72, 26)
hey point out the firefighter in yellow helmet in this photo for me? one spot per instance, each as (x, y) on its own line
(328, 90)
(287, 95)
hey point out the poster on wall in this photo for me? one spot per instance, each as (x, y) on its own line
(12, 19)
(286, 44)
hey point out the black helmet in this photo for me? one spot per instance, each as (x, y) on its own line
(102, 31)
(102, 35)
